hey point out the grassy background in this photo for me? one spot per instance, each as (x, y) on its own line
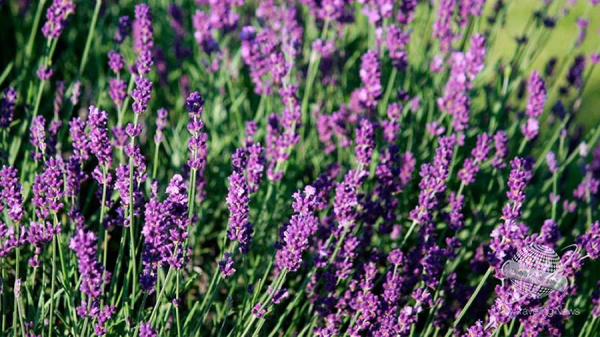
(559, 45)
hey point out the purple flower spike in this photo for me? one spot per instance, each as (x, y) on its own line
(197, 142)
(365, 142)
(91, 271)
(295, 235)
(396, 41)
(406, 11)
(370, 92)
(442, 28)
(44, 73)
(591, 241)
(551, 162)
(146, 330)
(123, 29)
(238, 198)
(456, 101)
(226, 265)
(433, 180)
(38, 137)
(11, 193)
(99, 143)
(475, 55)
(48, 189)
(508, 234)
(7, 107)
(141, 95)
(79, 138)
(535, 105)
(471, 165)
(161, 122)
(39, 235)
(256, 167)
(142, 29)
(56, 16)
(501, 146)
(117, 90)
(115, 61)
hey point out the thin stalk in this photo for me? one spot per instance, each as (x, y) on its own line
(177, 306)
(17, 271)
(52, 286)
(132, 254)
(3, 327)
(388, 90)
(313, 67)
(471, 299)
(34, 30)
(6, 71)
(154, 165)
(21, 314)
(101, 230)
(90, 36)
(591, 327)
(410, 230)
(161, 294)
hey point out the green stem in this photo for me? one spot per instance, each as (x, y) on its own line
(155, 166)
(388, 90)
(410, 230)
(90, 36)
(34, 30)
(101, 230)
(471, 299)
(177, 307)
(52, 286)
(161, 294)
(6, 72)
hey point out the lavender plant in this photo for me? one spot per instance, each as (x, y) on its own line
(298, 168)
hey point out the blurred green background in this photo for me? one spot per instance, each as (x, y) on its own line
(560, 45)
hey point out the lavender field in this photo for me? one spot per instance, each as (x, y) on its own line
(299, 168)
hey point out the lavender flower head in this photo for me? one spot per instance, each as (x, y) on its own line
(56, 18)
(44, 73)
(146, 330)
(7, 107)
(117, 90)
(256, 167)
(365, 142)
(396, 41)
(141, 94)
(142, 29)
(535, 105)
(11, 193)
(456, 101)
(551, 162)
(370, 75)
(161, 122)
(238, 198)
(123, 29)
(84, 244)
(433, 180)
(442, 28)
(98, 140)
(501, 147)
(197, 142)
(48, 189)
(476, 56)
(479, 155)
(115, 61)
(37, 132)
(295, 234)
